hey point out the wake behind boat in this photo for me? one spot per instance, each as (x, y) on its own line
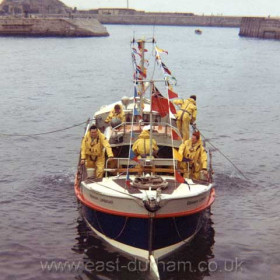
(146, 204)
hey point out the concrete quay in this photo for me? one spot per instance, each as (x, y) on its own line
(52, 27)
(259, 27)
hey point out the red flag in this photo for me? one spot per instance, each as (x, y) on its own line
(133, 156)
(127, 180)
(179, 178)
(139, 70)
(175, 136)
(172, 94)
(160, 104)
(172, 108)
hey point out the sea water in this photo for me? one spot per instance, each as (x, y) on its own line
(48, 84)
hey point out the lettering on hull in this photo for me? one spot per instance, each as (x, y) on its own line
(108, 201)
(196, 201)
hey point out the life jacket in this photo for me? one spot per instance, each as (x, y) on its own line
(142, 144)
(95, 147)
(114, 114)
(196, 153)
(187, 110)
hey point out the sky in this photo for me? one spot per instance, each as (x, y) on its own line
(199, 7)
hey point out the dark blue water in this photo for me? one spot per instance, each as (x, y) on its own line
(48, 84)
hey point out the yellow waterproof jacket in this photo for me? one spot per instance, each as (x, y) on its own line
(142, 144)
(188, 109)
(196, 153)
(113, 115)
(94, 147)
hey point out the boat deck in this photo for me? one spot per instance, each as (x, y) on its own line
(118, 187)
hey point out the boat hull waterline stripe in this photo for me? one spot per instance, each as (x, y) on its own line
(109, 211)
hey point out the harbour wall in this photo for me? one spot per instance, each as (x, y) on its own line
(170, 19)
(259, 27)
(86, 24)
(127, 16)
(62, 27)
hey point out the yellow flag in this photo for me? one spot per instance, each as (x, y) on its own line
(176, 155)
(161, 50)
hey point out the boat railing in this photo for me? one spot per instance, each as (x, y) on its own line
(126, 128)
(118, 166)
(152, 166)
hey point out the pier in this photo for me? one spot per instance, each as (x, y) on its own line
(260, 27)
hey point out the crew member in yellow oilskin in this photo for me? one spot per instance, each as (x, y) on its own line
(186, 115)
(141, 147)
(193, 151)
(116, 113)
(92, 150)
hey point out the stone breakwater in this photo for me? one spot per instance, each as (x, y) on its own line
(61, 27)
(259, 27)
(171, 19)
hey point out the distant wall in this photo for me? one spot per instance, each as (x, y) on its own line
(171, 19)
(141, 18)
(259, 27)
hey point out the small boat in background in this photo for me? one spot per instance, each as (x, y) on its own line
(198, 31)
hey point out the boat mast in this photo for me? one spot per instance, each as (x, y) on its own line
(141, 46)
(151, 118)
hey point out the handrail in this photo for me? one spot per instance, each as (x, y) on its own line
(153, 165)
(164, 124)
